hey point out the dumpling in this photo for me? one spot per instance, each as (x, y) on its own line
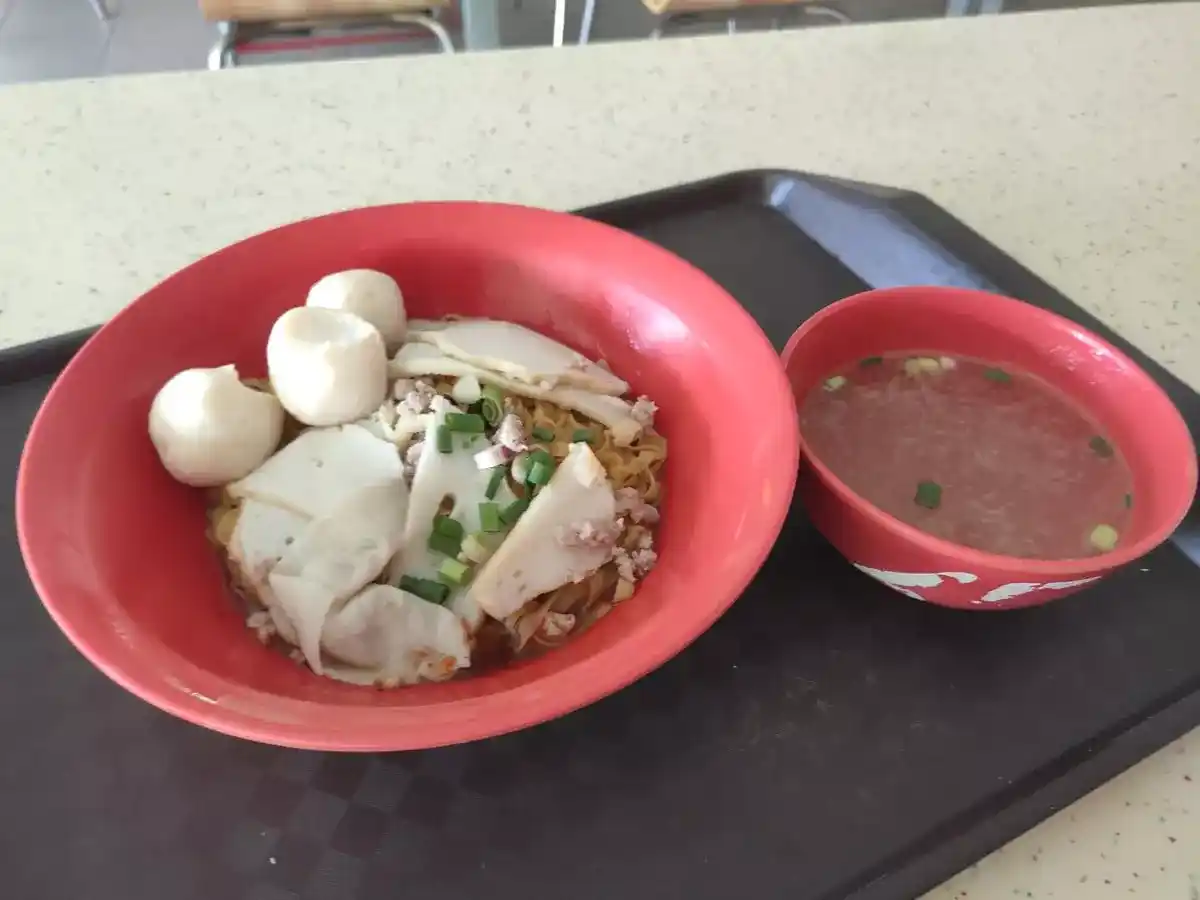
(533, 558)
(334, 558)
(318, 471)
(415, 360)
(393, 637)
(519, 353)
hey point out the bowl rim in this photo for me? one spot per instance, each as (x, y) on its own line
(630, 657)
(1015, 566)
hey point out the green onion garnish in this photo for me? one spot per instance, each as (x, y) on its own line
(1101, 447)
(514, 511)
(535, 459)
(448, 526)
(445, 440)
(443, 543)
(997, 375)
(1129, 501)
(454, 573)
(543, 434)
(432, 591)
(464, 423)
(869, 361)
(477, 547)
(540, 472)
(491, 404)
(490, 517)
(583, 436)
(494, 482)
(929, 495)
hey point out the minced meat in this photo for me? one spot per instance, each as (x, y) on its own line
(420, 397)
(591, 533)
(643, 412)
(630, 503)
(635, 565)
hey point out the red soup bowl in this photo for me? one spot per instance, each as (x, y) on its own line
(117, 549)
(1088, 370)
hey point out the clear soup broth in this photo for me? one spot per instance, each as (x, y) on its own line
(973, 452)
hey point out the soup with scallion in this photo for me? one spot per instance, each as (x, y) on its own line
(973, 452)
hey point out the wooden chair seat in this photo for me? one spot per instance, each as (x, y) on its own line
(294, 10)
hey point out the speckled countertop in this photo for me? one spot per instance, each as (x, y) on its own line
(1070, 139)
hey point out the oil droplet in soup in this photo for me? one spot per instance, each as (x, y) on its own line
(974, 452)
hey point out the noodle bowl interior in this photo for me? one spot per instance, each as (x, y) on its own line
(402, 501)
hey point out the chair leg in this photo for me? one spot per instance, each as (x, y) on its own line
(560, 22)
(100, 8)
(223, 55)
(429, 24)
(585, 27)
(826, 12)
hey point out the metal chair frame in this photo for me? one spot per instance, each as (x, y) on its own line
(224, 55)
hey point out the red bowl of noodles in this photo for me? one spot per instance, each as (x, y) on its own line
(117, 549)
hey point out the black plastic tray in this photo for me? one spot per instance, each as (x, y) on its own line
(826, 739)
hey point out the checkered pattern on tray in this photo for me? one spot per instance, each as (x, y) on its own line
(805, 739)
(114, 799)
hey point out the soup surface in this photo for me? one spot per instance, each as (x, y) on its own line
(973, 452)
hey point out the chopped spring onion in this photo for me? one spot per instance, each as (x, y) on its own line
(1104, 538)
(1129, 501)
(542, 433)
(476, 548)
(835, 383)
(1101, 447)
(490, 518)
(929, 495)
(491, 404)
(541, 458)
(494, 482)
(444, 544)
(448, 526)
(464, 423)
(997, 375)
(514, 511)
(454, 573)
(540, 472)
(492, 457)
(445, 440)
(583, 436)
(869, 361)
(466, 390)
(433, 591)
